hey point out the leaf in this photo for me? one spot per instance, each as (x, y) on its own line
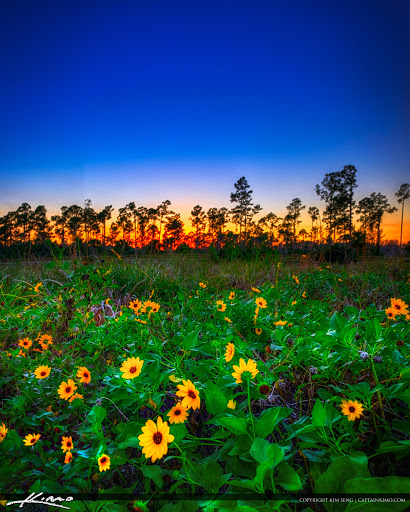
(269, 419)
(318, 414)
(288, 478)
(96, 417)
(337, 322)
(130, 442)
(179, 432)
(113, 507)
(394, 485)
(215, 399)
(153, 472)
(235, 425)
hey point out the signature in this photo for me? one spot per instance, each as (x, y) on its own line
(43, 501)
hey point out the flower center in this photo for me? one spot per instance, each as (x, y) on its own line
(103, 460)
(177, 412)
(42, 374)
(133, 369)
(68, 444)
(68, 389)
(85, 375)
(157, 438)
(352, 409)
(191, 394)
(33, 440)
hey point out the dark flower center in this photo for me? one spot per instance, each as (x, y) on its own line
(191, 394)
(133, 369)
(352, 409)
(68, 444)
(177, 412)
(103, 460)
(85, 375)
(68, 389)
(157, 438)
(42, 374)
(33, 440)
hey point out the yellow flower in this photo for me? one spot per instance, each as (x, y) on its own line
(31, 439)
(261, 302)
(42, 372)
(104, 462)
(230, 352)
(131, 368)
(227, 320)
(67, 389)
(280, 322)
(83, 374)
(220, 305)
(189, 394)
(304, 295)
(258, 331)
(135, 305)
(256, 314)
(68, 458)
(231, 404)
(250, 367)
(25, 343)
(3, 432)
(399, 306)
(37, 287)
(231, 295)
(45, 340)
(77, 395)
(294, 302)
(178, 414)
(340, 280)
(255, 290)
(155, 439)
(202, 285)
(352, 410)
(174, 379)
(295, 278)
(67, 444)
(391, 313)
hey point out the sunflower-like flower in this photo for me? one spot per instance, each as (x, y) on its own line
(227, 320)
(399, 306)
(68, 458)
(256, 290)
(231, 404)
(296, 279)
(202, 285)
(25, 343)
(261, 302)
(231, 295)
(67, 444)
(178, 414)
(250, 367)
(352, 409)
(220, 305)
(104, 462)
(83, 374)
(131, 368)
(77, 395)
(258, 331)
(42, 372)
(391, 313)
(37, 287)
(230, 352)
(31, 439)
(67, 389)
(280, 322)
(155, 439)
(3, 432)
(189, 394)
(45, 340)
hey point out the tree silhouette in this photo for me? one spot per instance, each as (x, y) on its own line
(243, 212)
(162, 213)
(330, 187)
(41, 225)
(374, 207)
(402, 194)
(102, 217)
(314, 214)
(292, 218)
(198, 222)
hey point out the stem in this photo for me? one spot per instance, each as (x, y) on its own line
(250, 411)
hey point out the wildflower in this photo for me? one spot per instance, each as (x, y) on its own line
(250, 367)
(294, 302)
(256, 315)
(261, 302)
(37, 287)
(227, 320)
(280, 322)
(45, 340)
(140, 321)
(220, 305)
(25, 343)
(104, 462)
(304, 295)
(295, 278)
(67, 444)
(189, 394)
(131, 368)
(178, 414)
(68, 458)
(231, 404)
(340, 280)
(67, 389)
(258, 331)
(231, 295)
(255, 290)
(230, 352)
(3, 432)
(174, 379)
(202, 285)
(31, 439)
(399, 306)
(352, 410)
(83, 374)
(42, 372)
(135, 305)
(77, 395)
(391, 313)
(377, 359)
(155, 439)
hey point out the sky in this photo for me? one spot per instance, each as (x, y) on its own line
(146, 101)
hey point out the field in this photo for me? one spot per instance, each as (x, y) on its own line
(177, 384)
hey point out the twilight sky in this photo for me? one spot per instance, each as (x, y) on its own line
(121, 101)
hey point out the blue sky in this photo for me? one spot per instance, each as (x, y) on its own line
(145, 101)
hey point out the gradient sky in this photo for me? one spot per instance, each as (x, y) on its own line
(143, 101)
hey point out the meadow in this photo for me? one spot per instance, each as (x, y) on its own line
(178, 384)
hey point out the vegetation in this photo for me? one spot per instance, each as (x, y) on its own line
(242, 386)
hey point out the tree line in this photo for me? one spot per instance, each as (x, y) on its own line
(161, 228)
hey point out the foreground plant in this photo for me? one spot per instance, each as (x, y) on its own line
(155, 439)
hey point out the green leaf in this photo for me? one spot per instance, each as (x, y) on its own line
(394, 485)
(153, 472)
(114, 507)
(337, 322)
(179, 432)
(130, 442)
(269, 419)
(318, 414)
(215, 399)
(96, 417)
(235, 425)
(288, 478)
